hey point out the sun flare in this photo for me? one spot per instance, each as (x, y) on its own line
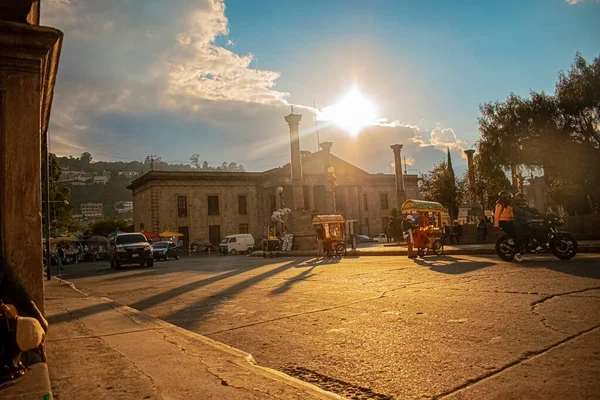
(352, 113)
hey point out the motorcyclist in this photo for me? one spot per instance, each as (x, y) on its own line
(503, 219)
(523, 215)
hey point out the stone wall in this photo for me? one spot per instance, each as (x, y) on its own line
(165, 217)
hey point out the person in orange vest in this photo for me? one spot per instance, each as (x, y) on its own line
(503, 219)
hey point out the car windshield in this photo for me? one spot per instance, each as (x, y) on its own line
(225, 241)
(133, 238)
(160, 245)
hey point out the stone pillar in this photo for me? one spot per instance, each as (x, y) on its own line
(311, 198)
(471, 171)
(400, 193)
(293, 121)
(326, 147)
(28, 65)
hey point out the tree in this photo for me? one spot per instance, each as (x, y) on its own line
(559, 134)
(395, 227)
(195, 160)
(86, 158)
(490, 179)
(59, 206)
(440, 185)
(104, 227)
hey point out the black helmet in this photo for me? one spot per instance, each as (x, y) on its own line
(504, 196)
(520, 199)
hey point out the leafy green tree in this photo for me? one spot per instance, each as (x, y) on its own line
(395, 226)
(490, 179)
(441, 185)
(104, 227)
(86, 158)
(59, 206)
(559, 134)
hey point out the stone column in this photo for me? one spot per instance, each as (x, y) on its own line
(293, 121)
(28, 65)
(311, 198)
(400, 194)
(326, 147)
(469, 154)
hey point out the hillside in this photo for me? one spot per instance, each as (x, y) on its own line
(78, 174)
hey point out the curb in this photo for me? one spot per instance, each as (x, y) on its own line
(35, 384)
(592, 248)
(247, 357)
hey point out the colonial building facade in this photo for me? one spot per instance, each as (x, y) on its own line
(206, 206)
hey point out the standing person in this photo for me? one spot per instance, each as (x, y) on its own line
(60, 255)
(503, 219)
(445, 233)
(407, 226)
(456, 232)
(320, 240)
(482, 230)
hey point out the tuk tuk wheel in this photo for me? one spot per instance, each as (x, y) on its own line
(437, 247)
(340, 249)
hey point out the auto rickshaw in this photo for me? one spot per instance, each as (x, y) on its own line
(428, 231)
(334, 233)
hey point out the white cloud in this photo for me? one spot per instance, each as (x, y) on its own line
(574, 2)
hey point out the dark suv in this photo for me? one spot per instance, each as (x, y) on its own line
(130, 248)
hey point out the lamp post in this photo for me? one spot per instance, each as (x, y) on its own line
(331, 181)
(47, 234)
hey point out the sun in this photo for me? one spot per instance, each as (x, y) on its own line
(352, 113)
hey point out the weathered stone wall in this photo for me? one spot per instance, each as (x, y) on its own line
(165, 217)
(28, 62)
(142, 210)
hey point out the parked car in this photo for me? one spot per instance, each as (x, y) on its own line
(164, 250)
(130, 248)
(381, 238)
(239, 243)
(361, 239)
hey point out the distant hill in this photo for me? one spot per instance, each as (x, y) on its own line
(115, 190)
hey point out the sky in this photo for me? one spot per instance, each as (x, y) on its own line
(178, 77)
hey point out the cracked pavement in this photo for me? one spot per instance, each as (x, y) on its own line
(386, 327)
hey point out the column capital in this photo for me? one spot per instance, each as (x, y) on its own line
(470, 153)
(396, 147)
(293, 120)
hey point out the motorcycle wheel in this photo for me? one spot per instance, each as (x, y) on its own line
(564, 246)
(504, 249)
(437, 247)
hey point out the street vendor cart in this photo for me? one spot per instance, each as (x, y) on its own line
(333, 225)
(426, 233)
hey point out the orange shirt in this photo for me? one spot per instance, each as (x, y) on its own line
(503, 213)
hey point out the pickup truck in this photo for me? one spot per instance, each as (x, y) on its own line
(130, 248)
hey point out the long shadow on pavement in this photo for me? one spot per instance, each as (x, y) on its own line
(452, 265)
(198, 310)
(158, 298)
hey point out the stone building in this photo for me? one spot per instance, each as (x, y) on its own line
(205, 206)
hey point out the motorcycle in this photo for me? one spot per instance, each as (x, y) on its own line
(541, 236)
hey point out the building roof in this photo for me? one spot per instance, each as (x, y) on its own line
(312, 164)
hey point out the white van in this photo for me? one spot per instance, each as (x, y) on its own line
(381, 238)
(235, 244)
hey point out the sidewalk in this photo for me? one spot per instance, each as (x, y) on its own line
(585, 246)
(101, 349)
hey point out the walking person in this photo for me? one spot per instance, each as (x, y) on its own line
(456, 232)
(445, 233)
(482, 230)
(60, 255)
(503, 218)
